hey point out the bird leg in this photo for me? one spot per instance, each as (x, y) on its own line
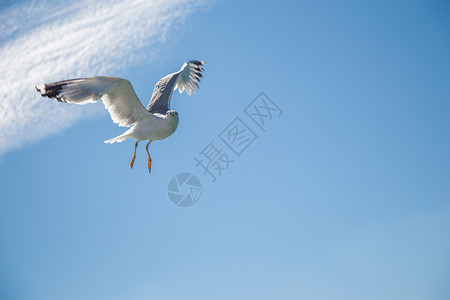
(149, 164)
(134, 155)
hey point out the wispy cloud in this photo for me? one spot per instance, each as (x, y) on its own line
(44, 41)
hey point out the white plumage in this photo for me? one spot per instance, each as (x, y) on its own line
(157, 122)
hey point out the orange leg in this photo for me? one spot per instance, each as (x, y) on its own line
(149, 164)
(134, 155)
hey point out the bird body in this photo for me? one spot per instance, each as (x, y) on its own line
(157, 128)
(157, 122)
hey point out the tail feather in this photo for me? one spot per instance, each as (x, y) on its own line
(117, 139)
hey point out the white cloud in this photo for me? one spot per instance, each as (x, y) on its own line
(44, 41)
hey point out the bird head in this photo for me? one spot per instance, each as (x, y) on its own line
(172, 114)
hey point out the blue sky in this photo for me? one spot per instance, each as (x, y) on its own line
(344, 196)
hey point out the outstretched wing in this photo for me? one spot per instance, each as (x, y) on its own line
(187, 78)
(117, 95)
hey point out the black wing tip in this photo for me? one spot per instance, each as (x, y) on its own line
(198, 63)
(40, 88)
(51, 90)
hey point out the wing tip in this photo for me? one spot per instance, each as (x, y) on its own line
(50, 91)
(191, 72)
(40, 88)
(197, 62)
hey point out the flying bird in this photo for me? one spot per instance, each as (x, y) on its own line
(157, 122)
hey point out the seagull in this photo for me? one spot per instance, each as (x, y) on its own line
(157, 122)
